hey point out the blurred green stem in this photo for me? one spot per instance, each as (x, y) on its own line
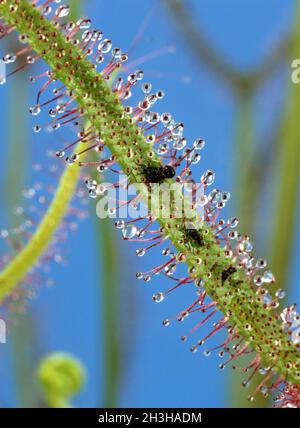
(287, 172)
(245, 189)
(75, 9)
(22, 339)
(24, 349)
(206, 53)
(110, 317)
(247, 195)
(18, 148)
(110, 296)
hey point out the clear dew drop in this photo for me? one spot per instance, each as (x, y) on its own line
(264, 390)
(111, 211)
(245, 246)
(206, 353)
(232, 234)
(208, 178)
(96, 36)
(170, 269)
(30, 59)
(53, 112)
(261, 263)
(267, 298)
(62, 11)
(146, 88)
(139, 74)
(120, 224)
(47, 10)
(166, 323)
(129, 232)
(166, 118)
(280, 294)
(199, 144)
(215, 196)
(162, 148)
(105, 46)
(132, 78)
(70, 160)
(202, 201)
(37, 129)
(295, 337)
(233, 222)
(194, 158)
(60, 154)
(165, 251)
(268, 277)
(69, 26)
(258, 280)
(35, 110)
(177, 130)
(127, 95)
(179, 143)
(158, 297)
(23, 38)
(116, 53)
(225, 196)
(60, 108)
(87, 35)
(84, 23)
(91, 184)
(101, 189)
(140, 252)
(9, 58)
(124, 57)
(151, 138)
(150, 100)
(152, 117)
(160, 95)
(92, 194)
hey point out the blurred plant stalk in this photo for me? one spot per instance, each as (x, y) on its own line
(23, 334)
(285, 176)
(110, 312)
(18, 143)
(287, 169)
(249, 169)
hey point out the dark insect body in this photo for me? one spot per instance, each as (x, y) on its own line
(195, 236)
(157, 174)
(227, 273)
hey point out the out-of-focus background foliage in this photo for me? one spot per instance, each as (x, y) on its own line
(225, 68)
